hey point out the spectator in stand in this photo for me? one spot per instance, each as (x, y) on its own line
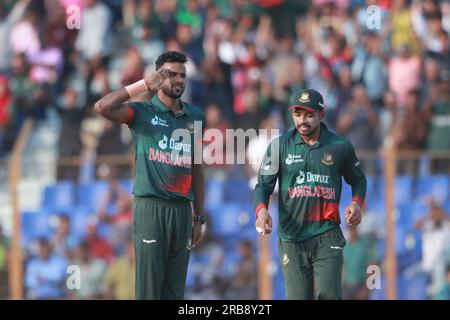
(94, 41)
(69, 141)
(404, 73)
(444, 292)
(45, 275)
(92, 271)
(133, 68)
(409, 132)
(63, 241)
(120, 276)
(119, 221)
(431, 75)
(435, 229)
(402, 32)
(387, 115)
(369, 68)
(98, 246)
(4, 252)
(359, 120)
(5, 100)
(10, 14)
(437, 114)
(244, 281)
(359, 253)
(215, 146)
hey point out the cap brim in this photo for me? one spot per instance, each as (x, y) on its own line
(301, 107)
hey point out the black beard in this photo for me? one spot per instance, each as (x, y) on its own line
(168, 92)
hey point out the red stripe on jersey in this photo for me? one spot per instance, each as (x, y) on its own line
(130, 115)
(324, 210)
(181, 184)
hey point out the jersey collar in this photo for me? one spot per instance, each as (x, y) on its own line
(161, 107)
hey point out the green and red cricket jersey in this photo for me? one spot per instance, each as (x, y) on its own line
(310, 182)
(164, 158)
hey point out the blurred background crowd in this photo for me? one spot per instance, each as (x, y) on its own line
(382, 73)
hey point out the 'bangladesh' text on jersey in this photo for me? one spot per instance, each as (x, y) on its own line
(310, 182)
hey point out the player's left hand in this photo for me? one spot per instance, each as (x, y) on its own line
(353, 214)
(196, 234)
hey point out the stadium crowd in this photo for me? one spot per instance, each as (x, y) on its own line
(383, 72)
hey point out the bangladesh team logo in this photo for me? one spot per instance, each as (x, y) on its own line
(304, 97)
(190, 127)
(327, 159)
(189, 244)
(285, 259)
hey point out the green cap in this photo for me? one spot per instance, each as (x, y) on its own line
(309, 100)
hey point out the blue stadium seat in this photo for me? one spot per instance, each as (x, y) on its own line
(403, 187)
(278, 285)
(406, 218)
(59, 197)
(92, 194)
(127, 184)
(437, 186)
(34, 225)
(419, 210)
(346, 193)
(237, 190)
(214, 193)
(226, 220)
(412, 288)
(233, 218)
(80, 217)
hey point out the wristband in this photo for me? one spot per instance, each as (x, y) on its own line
(136, 88)
(259, 207)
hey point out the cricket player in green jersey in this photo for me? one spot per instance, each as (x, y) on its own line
(169, 185)
(309, 163)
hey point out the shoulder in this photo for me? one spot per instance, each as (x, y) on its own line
(195, 111)
(338, 140)
(140, 104)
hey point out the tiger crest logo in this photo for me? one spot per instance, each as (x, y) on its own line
(304, 97)
(189, 244)
(327, 159)
(285, 259)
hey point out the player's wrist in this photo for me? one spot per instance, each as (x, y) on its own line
(357, 200)
(201, 219)
(137, 88)
(259, 207)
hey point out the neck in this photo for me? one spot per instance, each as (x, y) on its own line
(313, 137)
(172, 104)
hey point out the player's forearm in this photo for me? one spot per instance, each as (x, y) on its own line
(198, 187)
(359, 190)
(108, 105)
(261, 197)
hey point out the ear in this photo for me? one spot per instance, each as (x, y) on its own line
(321, 115)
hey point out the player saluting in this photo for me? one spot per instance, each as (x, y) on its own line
(309, 162)
(167, 180)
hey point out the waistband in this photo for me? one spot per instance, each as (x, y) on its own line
(166, 201)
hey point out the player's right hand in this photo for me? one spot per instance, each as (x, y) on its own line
(155, 79)
(263, 222)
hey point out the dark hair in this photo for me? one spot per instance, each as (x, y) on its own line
(170, 56)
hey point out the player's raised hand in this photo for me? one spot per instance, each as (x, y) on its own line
(155, 79)
(263, 222)
(353, 214)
